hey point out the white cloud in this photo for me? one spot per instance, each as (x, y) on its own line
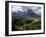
(36, 10)
(17, 8)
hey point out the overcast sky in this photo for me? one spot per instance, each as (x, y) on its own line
(35, 9)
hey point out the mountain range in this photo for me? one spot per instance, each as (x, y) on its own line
(28, 13)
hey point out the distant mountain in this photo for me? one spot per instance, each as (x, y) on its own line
(31, 13)
(28, 13)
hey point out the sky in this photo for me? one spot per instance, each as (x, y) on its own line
(35, 9)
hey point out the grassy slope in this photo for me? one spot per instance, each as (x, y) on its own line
(26, 24)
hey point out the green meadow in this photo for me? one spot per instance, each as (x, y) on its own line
(19, 24)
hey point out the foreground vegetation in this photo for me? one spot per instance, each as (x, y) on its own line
(25, 24)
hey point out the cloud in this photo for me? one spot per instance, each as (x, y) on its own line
(36, 10)
(17, 8)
